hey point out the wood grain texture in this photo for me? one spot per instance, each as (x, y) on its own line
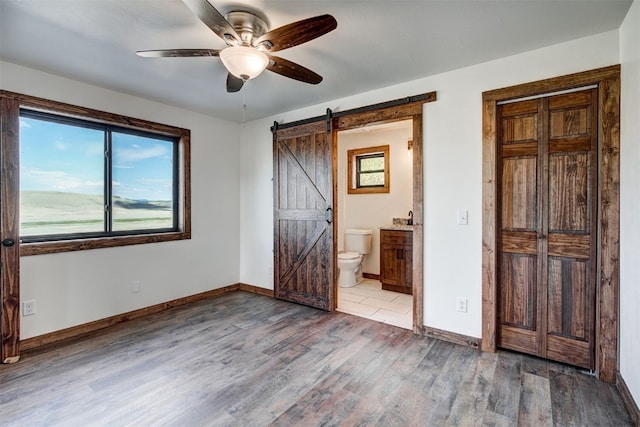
(84, 329)
(9, 229)
(303, 215)
(351, 170)
(569, 194)
(489, 232)
(396, 263)
(383, 115)
(519, 194)
(417, 258)
(567, 290)
(609, 227)
(245, 359)
(36, 103)
(548, 196)
(518, 291)
(451, 337)
(535, 398)
(627, 398)
(607, 218)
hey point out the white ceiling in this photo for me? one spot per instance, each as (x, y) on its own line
(377, 43)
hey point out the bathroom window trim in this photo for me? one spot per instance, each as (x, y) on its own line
(353, 166)
(183, 197)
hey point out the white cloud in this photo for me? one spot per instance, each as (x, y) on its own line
(43, 180)
(94, 148)
(128, 155)
(24, 124)
(154, 181)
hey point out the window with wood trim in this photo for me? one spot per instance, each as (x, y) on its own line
(90, 179)
(368, 170)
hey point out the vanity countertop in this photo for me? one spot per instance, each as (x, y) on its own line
(397, 227)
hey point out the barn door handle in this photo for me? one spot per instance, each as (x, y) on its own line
(328, 215)
(8, 242)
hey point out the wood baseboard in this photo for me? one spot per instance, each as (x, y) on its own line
(256, 290)
(57, 337)
(371, 276)
(451, 337)
(627, 398)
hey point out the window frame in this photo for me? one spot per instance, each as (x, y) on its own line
(182, 194)
(354, 158)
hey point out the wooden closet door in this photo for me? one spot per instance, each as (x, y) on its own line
(547, 203)
(303, 215)
(520, 149)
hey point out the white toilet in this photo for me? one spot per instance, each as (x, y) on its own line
(357, 243)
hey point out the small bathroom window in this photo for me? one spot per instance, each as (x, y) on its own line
(368, 170)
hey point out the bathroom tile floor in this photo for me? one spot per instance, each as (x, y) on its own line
(369, 300)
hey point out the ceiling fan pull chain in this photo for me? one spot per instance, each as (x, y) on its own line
(244, 109)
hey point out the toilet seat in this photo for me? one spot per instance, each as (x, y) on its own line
(348, 255)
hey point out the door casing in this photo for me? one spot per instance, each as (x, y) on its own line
(403, 109)
(386, 112)
(9, 229)
(608, 216)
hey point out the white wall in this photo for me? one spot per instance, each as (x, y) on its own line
(453, 171)
(629, 201)
(78, 287)
(371, 211)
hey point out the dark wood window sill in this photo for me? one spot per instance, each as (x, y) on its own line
(42, 248)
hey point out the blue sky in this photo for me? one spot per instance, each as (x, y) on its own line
(58, 157)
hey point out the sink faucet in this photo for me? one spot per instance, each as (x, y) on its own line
(410, 222)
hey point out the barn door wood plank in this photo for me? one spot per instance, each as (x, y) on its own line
(303, 215)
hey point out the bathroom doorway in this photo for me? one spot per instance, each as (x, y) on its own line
(309, 138)
(384, 204)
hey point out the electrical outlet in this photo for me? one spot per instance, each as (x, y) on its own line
(461, 305)
(135, 287)
(28, 308)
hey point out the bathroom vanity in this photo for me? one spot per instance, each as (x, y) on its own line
(396, 255)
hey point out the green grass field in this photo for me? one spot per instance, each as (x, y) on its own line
(47, 212)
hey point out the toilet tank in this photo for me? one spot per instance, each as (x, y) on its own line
(356, 240)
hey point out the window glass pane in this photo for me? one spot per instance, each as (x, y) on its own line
(61, 178)
(142, 182)
(372, 179)
(372, 163)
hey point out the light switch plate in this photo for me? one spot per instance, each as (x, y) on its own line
(463, 217)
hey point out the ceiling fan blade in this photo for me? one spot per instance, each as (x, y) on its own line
(213, 19)
(292, 70)
(234, 84)
(296, 33)
(174, 53)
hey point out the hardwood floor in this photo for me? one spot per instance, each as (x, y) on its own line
(248, 360)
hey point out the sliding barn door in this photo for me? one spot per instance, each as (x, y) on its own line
(547, 226)
(303, 215)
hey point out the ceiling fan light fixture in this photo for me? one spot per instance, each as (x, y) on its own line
(244, 62)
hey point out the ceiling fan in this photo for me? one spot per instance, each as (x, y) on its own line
(250, 43)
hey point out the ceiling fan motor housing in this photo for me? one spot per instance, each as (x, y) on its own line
(248, 26)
